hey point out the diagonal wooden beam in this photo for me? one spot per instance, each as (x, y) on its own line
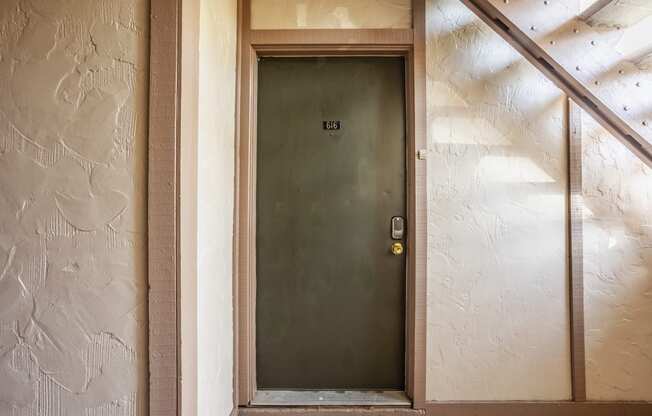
(561, 77)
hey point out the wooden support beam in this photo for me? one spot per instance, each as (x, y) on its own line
(162, 208)
(539, 409)
(560, 74)
(576, 251)
(467, 409)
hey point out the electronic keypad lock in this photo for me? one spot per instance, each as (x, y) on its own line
(398, 228)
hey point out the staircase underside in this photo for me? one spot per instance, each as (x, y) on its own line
(582, 59)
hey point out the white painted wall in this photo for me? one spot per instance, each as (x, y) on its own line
(215, 186)
(617, 194)
(73, 152)
(498, 315)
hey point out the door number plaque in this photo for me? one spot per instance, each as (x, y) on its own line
(332, 124)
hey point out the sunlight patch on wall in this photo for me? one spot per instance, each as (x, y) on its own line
(497, 193)
(511, 169)
(472, 130)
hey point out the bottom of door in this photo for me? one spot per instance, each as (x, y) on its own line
(330, 398)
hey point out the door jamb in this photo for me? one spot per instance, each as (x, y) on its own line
(409, 43)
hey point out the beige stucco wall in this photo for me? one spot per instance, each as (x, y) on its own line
(215, 185)
(330, 14)
(73, 117)
(498, 315)
(617, 195)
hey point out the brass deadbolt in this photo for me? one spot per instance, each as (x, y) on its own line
(397, 249)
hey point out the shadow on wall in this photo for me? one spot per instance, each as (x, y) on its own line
(622, 69)
(497, 225)
(72, 207)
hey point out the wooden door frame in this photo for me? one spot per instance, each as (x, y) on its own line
(408, 43)
(163, 221)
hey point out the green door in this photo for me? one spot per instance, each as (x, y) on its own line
(330, 294)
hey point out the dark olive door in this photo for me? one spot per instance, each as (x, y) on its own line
(330, 294)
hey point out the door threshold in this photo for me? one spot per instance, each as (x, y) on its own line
(330, 398)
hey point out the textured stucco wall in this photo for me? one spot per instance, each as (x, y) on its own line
(73, 113)
(617, 195)
(328, 14)
(217, 64)
(498, 316)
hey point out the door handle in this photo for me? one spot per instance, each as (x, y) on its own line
(397, 249)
